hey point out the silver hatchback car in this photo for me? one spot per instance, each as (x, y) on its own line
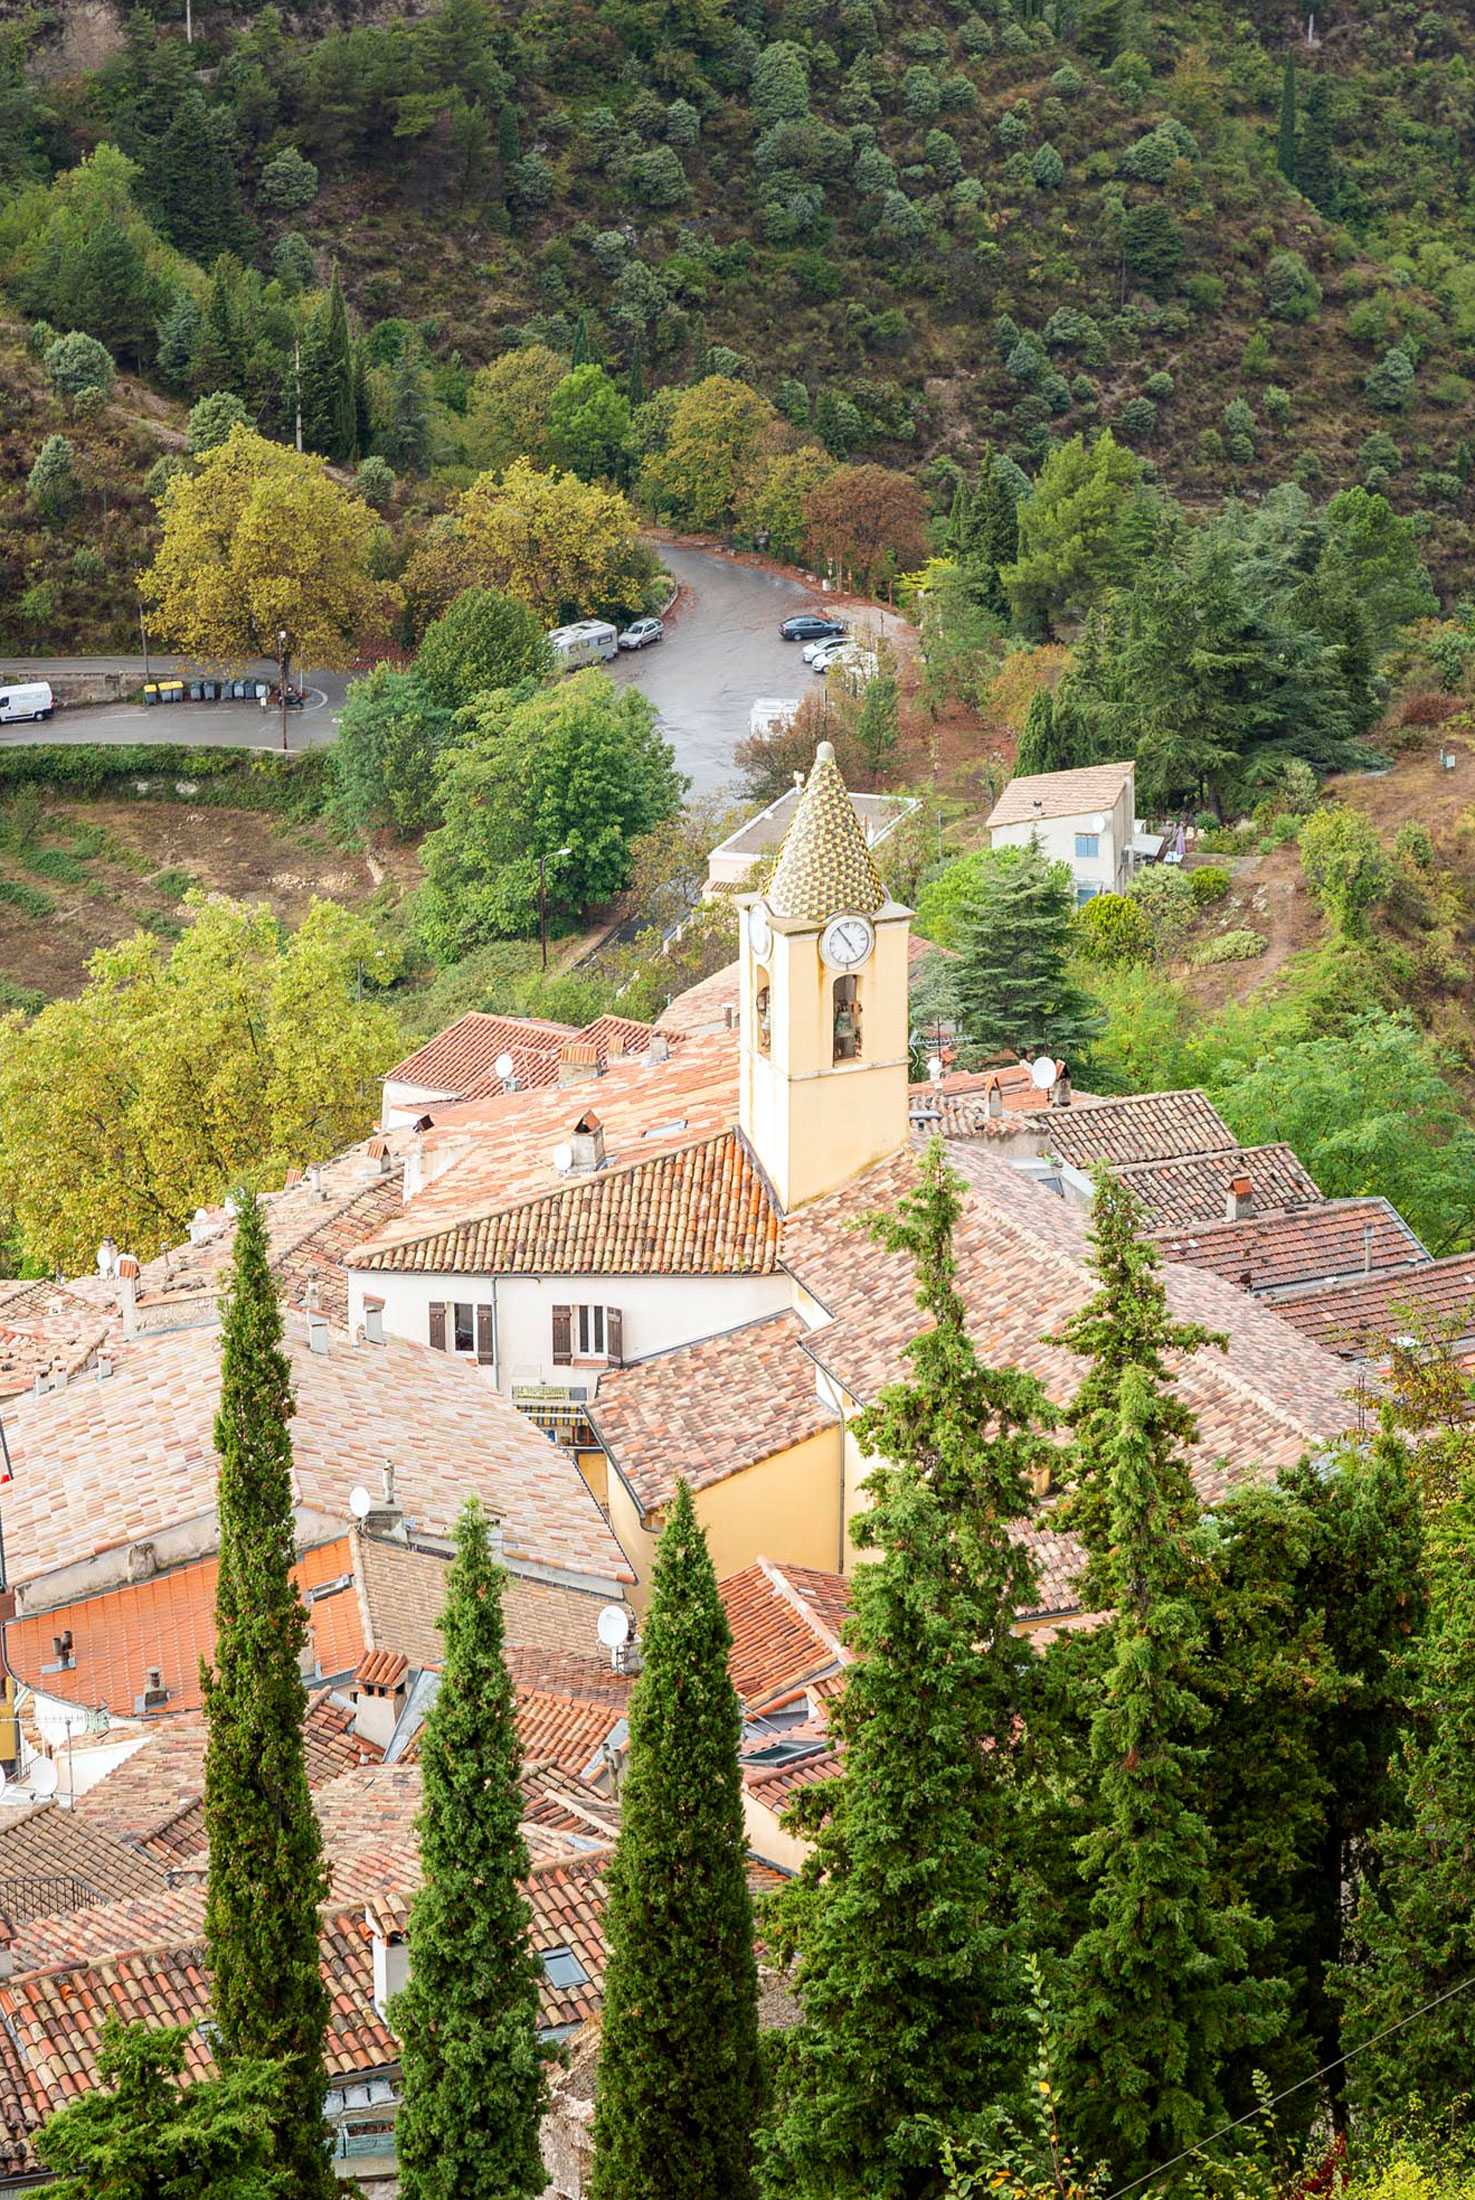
(642, 633)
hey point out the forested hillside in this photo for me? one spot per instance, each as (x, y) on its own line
(917, 231)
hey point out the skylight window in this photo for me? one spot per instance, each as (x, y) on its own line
(562, 1968)
(664, 1130)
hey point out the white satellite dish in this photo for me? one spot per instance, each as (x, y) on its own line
(563, 1159)
(43, 1777)
(613, 1626)
(504, 1066)
(1042, 1072)
(360, 1504)
(1098, 824)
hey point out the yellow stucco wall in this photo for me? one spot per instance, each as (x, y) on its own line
(767, 1838)
(594, 1467)
(786, 1508)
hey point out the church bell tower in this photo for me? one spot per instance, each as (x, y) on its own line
(824, 1017)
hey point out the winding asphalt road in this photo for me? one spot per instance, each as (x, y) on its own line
(722, 651)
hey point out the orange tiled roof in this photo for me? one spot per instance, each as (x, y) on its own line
(169, 1623)
(772, 1785)
(562, 1731)
(1272, 1252)
(1194, 1188)
(706, 1411)
(102, 1464)
(786, 1626)
(567, 1899)
(1148, 1126)
(1358, 1318)
(454, 1057)
(701, 1210)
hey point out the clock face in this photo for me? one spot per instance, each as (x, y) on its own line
(846, 942)
(760, 931)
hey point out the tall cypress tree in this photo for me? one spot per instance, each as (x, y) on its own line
(1037, 750)
(1285, 143)
(266, 1875)
(1010, 980)
(1159, 1987)
(338, 346)
(679, 2084)
(911, 1984)
(405, 440)
(1316, 168)
(1414, 1937)
(468, 2019)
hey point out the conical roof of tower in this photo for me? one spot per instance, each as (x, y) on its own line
(824, 867)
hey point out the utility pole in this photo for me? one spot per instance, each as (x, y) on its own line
(297, 377)
(282, 660)
(143, 630)
(543, 898)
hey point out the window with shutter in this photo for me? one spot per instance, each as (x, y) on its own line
(438, 1324)
(465, 1326)
(484, 1344)
(563, 1336)
(614, 1335)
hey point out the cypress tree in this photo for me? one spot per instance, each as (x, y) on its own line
(993, 525)
(635, 374)
(912, 1989)
(1159, 1987)
(1010, 980)
(1037, 750)
(586, 351)
(342, 415)
(1316, 169)
(266, 1875)
(679, 2083)
(1414, 1935)
(468, 2019)
(959, 532)
(405, 441)
(1285, 143)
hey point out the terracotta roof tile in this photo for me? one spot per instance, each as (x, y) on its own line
(702, 1210)
(381, 1669)
(773, 1784)
(705, 1411)
(979, 1103)
(1270, 1252)
(453, 1058)
(45, 1329)
(1149, 1126)
(564, 1732)
(99, 1465)
(1060, 794)
(786, 1623)
(1195, 1187)
(1357, 1319)
(169, 1623)
(824, 867)
(51, 1860)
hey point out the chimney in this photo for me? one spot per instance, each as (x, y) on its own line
(61, 1651)
(7, 1948)
(1061, 1095)
(380, 1155)
(315, 1178)
(380, 1686)
(587, 1144)
(1367, 1247)
(386, 1518)
(201, 1228)
(1239, 1200)
(317, 1333)
(155, 1694)
(373, 1321)
(578, 1062)
(127, 1273)
(391, 1958)
(659, 1049)
(994, 1098)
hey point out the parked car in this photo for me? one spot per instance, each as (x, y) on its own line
(26, 699)
(642, 633)
(822, 646)
(810, 626)
(850, 657)
(819, 654)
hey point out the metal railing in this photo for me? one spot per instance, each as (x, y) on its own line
(26, 1897)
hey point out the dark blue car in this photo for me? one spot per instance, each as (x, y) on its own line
(808, 626)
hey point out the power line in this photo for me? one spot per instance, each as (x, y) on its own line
(1336, 2063)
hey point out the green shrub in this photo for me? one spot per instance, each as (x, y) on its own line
(23, 997)
(1292, 292)
(1413, 846)
(174, 882)
(37, 604)
(1277, 403)
(1047, 168)
(28, 899)
(211, 420)
(53, 484)
(1159, 386)
(55, 863)
(1138, 419)
(1111, 929)
(1163, 894)
(1390, 384)
(288, 181)
(77, 364)
(88, 564)
(1451, 389)
(1231, 947)
(1208, 883)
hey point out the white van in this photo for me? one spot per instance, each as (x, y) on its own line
(586, 642)
(27, 699)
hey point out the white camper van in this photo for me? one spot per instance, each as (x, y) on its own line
(586, 642)
(26, 699)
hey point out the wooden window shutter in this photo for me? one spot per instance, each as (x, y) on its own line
(438, 1324)
(614, 1336)
(563, 1336)
(484, 1335)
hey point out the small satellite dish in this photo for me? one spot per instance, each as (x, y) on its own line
(1042, 1072)
(1098, 824)
(360, 1504)
(563, 1159)
(504, 1066)
(613, 1626)
(43, 1777)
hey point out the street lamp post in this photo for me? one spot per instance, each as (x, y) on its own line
(282, 666)
(543, 898)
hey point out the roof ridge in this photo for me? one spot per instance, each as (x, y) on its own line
(802, 1606)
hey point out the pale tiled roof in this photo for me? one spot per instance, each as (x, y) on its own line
(164, 1918)
(1359, 1318)
(101, 1464)
(786, 1623)
(1060, 794)
(702, 1210)
(455, 1057)
(169, 1623)
(44, 1327)
(1149, 1126)
(47, 1848)
(1194, 1188)
(705, 1411)
(824, 868)
(961, 1104)
(1272, 1252)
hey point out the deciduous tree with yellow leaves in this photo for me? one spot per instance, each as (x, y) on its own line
(566, 547)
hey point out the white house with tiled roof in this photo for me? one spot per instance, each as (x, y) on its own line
(1082, 818)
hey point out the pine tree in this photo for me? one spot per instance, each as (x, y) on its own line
(679, 2083)
(1010, 981)
(1316, 169)
(1414, 1934)
(1159, 1988)
(992, 536)
(468, 2019)
(405, 440)
(911, 1985)
(959, 532)
(266, 1875)
(1285, 143)
(191, 181)
(1038, 750)
(635, 374)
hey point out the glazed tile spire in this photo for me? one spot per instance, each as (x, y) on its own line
(824, 868)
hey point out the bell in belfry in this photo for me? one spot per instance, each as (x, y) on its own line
(847, 1032)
